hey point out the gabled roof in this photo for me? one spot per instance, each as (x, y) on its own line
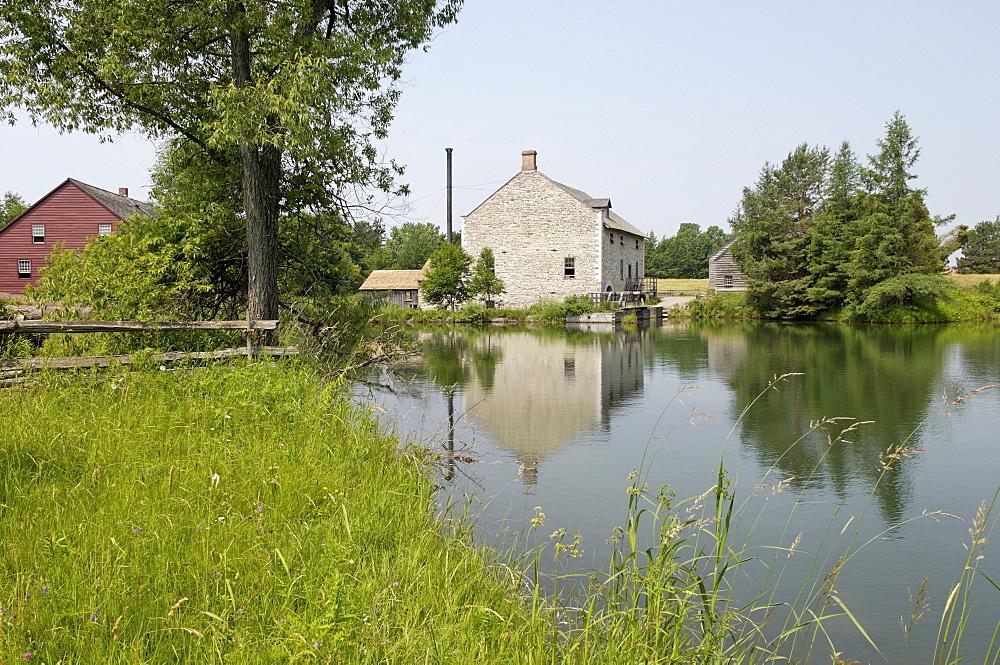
(722, 249)
(120, 206)
(393, 280)
(612, 221)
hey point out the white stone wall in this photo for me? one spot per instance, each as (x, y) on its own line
(533, 225)
(626, 253)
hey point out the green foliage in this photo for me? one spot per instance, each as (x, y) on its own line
(981, 251)
(685, 255)
(11, 206)
(147, 271)
(816, 235)
(901, 290)
(446, 282)
(773, 224)
(485, 282)
(408, 247)
(730, 305)
(292, 94)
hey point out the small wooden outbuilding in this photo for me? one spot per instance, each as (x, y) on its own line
(724, 273)
(397, 287)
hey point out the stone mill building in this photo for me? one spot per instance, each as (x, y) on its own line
(551, 241)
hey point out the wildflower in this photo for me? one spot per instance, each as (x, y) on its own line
(395, 584)
(221, 518)
(45, 590)
(163, 368)
(26, 655)
(317, 644)
(215, 479)
(136, 530)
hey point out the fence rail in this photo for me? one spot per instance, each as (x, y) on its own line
(17, 326)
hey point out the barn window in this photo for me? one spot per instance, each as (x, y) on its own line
(622, 237)
(630, 272)
(611, 237)
(637, 243)
(104, 230)
(727, 280)
(569, 267)
(621, 268)
(38, 233)
(24, 268)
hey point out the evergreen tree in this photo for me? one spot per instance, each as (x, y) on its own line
(981, 253)
(832, 234)
(895, 232)
(773, 223)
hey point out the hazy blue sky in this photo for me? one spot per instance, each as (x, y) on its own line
(668, 108)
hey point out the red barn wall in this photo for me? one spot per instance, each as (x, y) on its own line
(70, 216)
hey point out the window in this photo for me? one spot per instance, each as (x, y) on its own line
(622, 238)
(611, 237)
(727, 280)
(104, 230)
(38, 233)
(24, 268)
(569, 267)
(630, 272)
(621, 268)
(637, 243)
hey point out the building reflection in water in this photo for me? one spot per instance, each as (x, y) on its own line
(547, 390)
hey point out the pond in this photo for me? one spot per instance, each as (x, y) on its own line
(557, 419)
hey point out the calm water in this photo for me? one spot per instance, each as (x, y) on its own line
(558, 419)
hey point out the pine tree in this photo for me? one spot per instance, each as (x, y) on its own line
(833, 232)
(895, 232)
(981, 253)
(773, 224)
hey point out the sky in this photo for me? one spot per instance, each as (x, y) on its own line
(667, 107)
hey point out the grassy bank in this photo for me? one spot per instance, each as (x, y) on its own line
(248, 513)
(240, 514)
(974, 298)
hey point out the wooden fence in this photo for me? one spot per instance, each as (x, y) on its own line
(12, 371)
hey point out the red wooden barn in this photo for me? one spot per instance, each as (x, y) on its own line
(72, 214)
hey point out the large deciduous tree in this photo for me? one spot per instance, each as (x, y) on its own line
(408, 246)
(447, 281)
(11, 206)
(291, 91)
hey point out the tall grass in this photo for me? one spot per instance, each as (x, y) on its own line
(245, 512)
(242, 513)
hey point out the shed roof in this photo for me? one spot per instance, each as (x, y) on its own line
(393, 280)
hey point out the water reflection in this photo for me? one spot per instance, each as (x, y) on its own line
(577, 410)
(535, 392)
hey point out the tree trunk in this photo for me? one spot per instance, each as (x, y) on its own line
(261, 177)
(260, 166)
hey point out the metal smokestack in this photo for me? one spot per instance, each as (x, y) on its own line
(448, 233)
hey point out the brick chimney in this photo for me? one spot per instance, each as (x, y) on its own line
(528, 160)
(123, 191)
